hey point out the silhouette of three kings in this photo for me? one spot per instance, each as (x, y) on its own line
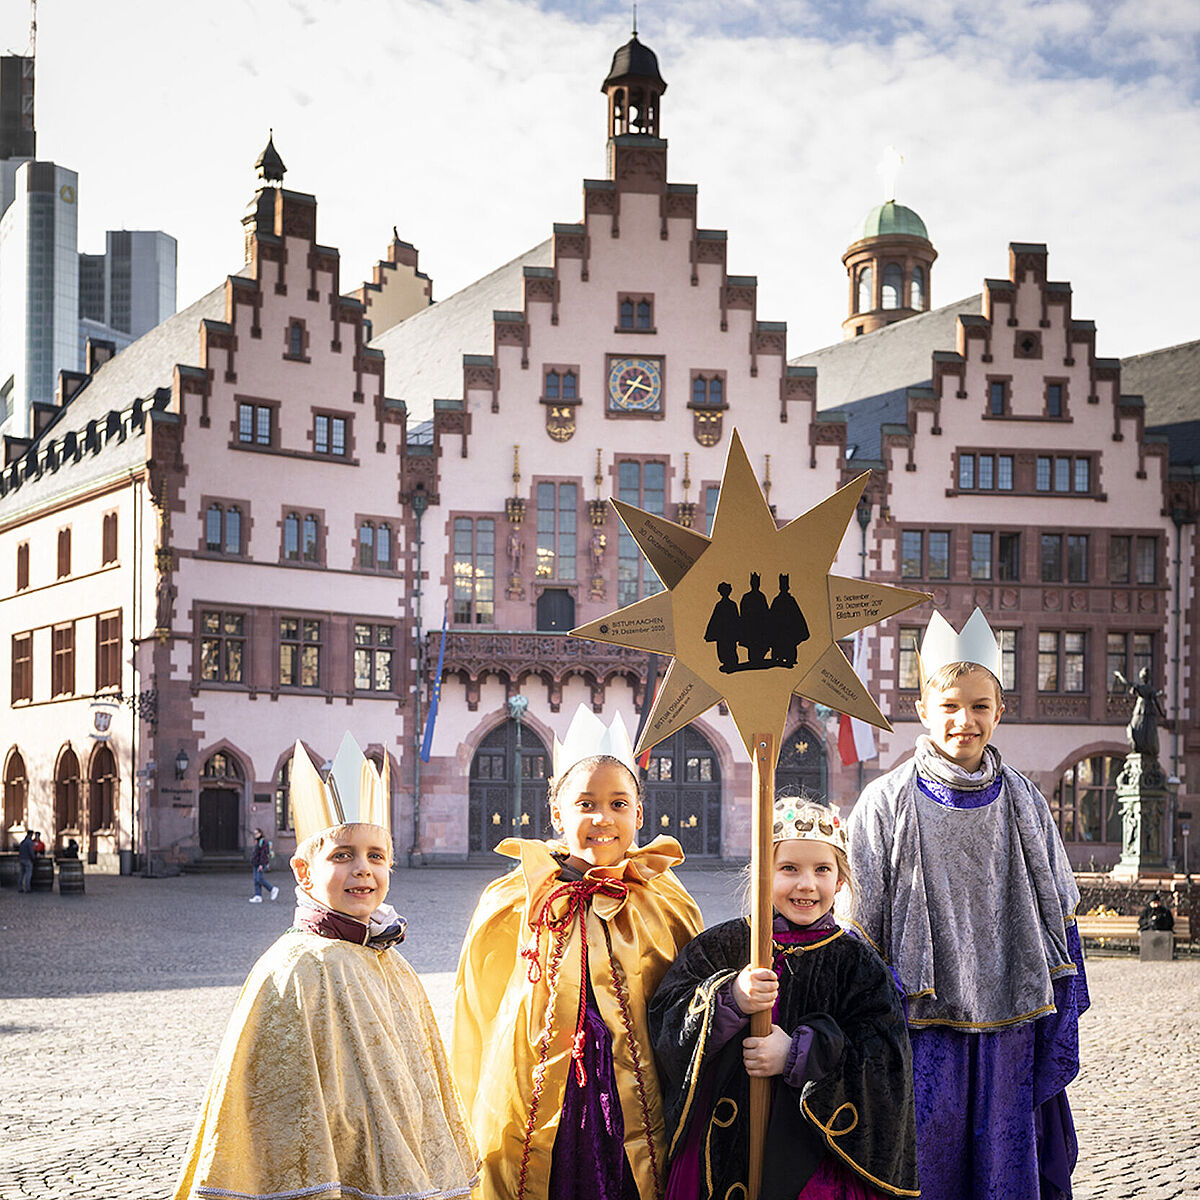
(776, 628)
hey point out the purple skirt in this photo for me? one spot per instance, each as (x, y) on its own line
(993, 1121)
(589, 1160)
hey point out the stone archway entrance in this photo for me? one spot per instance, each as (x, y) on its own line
(493, 791)
(222, 785)
(683, 793)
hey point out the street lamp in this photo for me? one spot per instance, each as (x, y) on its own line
(420, 502)
(181, 764)
(516, 710)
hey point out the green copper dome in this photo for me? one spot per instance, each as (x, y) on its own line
(892, 218)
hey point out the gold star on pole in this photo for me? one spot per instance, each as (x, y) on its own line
(750, 614)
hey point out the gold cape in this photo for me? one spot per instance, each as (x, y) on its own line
(331, 1081)
(499, 1016)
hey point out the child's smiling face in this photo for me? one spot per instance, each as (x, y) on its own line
(806, 880)
(962, 716)
(349, 873)
(598, 811)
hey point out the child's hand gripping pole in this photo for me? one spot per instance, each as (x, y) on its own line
(762, 854)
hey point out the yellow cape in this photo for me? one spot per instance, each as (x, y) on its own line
(331, 1081)
(499, 1016)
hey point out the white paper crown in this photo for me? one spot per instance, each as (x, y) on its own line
(356, 791)
(587, 735)
(976, 644)
(807, 821)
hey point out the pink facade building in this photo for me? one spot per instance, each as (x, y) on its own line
(273, 501)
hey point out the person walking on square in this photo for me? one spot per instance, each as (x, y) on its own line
(551, 1049)
(841, 1123)
(332, 1079)
(25, 857)
(963, 885)
(260, 858)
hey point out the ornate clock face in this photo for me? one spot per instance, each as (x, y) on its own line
(635, 385)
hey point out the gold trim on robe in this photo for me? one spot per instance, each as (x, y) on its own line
(499, 1016)
(331, 1081)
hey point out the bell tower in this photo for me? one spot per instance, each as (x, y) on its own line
(634, 88)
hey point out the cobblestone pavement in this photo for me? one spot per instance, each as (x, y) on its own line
(112, 1005)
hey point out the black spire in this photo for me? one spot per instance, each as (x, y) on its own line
(269, 165)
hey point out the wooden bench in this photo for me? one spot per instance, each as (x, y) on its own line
(1123, 929)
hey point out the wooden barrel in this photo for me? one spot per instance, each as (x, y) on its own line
(9, 868)
(70, 876)
(43, 873)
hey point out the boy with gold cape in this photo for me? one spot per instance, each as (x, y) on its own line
(332, 1080)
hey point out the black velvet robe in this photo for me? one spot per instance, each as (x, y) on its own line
(856, 1101)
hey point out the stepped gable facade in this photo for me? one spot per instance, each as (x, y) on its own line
(218, 511)
(613, 363)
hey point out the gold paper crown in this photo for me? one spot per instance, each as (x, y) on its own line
(807, 821)
(587, 735)
(941, 645)
(356, 791)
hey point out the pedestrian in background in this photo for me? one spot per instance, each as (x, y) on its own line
(259, 860)
(25, 857)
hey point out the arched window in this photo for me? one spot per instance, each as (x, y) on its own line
(296, 340)
(311, 553)
(893, 285)
(222, 765)
(1085, 801)
(802, 768)
(66, 792)
(102, 790)
(716, 391)
(16, 789)
(626, 317)
(552, 385)
(291, 537)
(866, 290)
(383, 547)
(918, 288)
(283, 795)
(366, 545)
(233, 531)
(699, 391)
(212, 529)
(569, 386)
(644, 312)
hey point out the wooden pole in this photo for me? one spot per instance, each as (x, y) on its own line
(761, 872)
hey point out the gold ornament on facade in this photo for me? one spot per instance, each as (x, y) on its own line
(707, 427)
(560, 422)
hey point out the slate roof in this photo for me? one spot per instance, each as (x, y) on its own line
(137, 372)
(1168, 381)
(423, 354)
(867, 377)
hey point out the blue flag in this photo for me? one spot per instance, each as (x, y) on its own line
(437, 690)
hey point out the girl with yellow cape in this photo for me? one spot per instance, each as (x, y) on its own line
(551, 1049)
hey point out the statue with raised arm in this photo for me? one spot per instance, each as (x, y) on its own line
(1142, 729)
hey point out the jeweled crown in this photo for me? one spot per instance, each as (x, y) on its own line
(807, 821)
(355, 791)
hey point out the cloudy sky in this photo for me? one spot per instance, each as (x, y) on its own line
(469, 124)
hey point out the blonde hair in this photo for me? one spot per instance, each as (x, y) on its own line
(950, 673)
(312, 846)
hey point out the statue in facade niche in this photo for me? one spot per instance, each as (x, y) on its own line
(1142, 729)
